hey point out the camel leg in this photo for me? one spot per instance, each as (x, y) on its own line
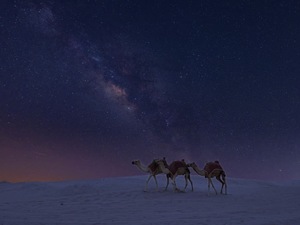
(174, 183)
(167, 183)
(156, 183)
(222, 182)
(211, 183)
(213, 186)
(186, 182)
(225, 183)
(146, 186)
(175, 186)
(189, 177)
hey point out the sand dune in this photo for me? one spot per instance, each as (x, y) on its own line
(123, 201)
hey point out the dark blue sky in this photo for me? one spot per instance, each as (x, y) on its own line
(87, 86)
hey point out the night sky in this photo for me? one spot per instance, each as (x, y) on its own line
(88, 86)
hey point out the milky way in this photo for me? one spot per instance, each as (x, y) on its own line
(92, 85)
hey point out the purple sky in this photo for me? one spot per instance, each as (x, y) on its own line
(86, 87)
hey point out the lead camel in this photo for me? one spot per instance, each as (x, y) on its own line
(152, 169)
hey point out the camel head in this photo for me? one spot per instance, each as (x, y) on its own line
(135, 162)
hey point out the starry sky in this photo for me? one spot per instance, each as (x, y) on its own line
(88, 86)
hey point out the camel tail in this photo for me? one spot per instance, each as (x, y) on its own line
(223, 173)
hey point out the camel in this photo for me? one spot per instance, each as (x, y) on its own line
(211, 169)
(173, 170)
(153, 169)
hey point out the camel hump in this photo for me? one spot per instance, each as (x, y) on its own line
(210, 166)
(153, 166)
(175, 165)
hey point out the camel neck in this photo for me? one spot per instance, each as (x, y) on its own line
(199, 171)
(142, 167)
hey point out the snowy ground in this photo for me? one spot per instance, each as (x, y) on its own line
(123, 201)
